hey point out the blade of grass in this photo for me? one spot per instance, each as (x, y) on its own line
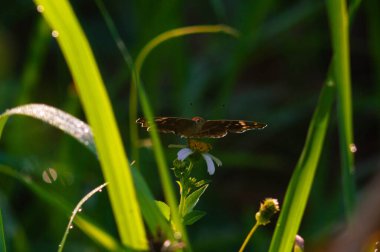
(147, 49)
(97, 107)
(2, 236)
(339, 25)
(83, 134)
(39, 45)
(77, 209)
(157, 146)
(302, 178)
(303, 175)
(88, 227)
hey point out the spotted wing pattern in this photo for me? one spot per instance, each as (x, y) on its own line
(220, 128)
(190, 128)
(176, 125)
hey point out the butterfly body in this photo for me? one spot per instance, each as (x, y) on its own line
(197, 127)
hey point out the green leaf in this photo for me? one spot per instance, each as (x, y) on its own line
(55, 200)
(164, 209)
(202, 182)
(2, 236)
(192, 200)
(98, 110)
(56, 118)
(82, 132)
(303, 175)
(193, 217)
(339, 25)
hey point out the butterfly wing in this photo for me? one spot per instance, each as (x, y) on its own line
(179, 126)
(220, 128)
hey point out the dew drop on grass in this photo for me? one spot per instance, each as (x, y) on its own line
(40, 8)
(80, 210)
(100, 190)
(353, 148)
(71, 227)
(49, 175)
(55, 34)
(330, 83)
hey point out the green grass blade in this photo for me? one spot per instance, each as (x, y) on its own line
(55, 200)
(163, 167)
(97, 107)
(180, 32)
(147, 49)
(77, 209)
(83, 133)
(34, 61)
(157, 146)
(302, 178)
(2, 236)
(56, 118)
(339, 24)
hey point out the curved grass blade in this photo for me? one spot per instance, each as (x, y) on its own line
(303, 175)
(98, 110)
(55, 117)
(82, 132)
(147, 49)
(77, 209)
(2, 236)
(302, 178)
(157, 146)
(88, 227)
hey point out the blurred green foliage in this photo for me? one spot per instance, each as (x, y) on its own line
(273, 74)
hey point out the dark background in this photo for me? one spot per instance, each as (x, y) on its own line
(273, 74)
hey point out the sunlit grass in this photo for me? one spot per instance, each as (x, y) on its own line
(132, 199)
(96, 104)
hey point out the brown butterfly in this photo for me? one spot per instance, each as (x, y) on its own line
(197, 127)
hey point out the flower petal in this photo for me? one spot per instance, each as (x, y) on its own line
(184, 153)
(216, 160)
(210, 164)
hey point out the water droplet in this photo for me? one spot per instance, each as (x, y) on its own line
(100, 190)
(177, 235)
(55, 34)
(71, 227)
(80, 210)
(49, 175)
(353, 148)
(330, 83)
(40, 8)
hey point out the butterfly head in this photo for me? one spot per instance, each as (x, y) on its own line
(198, 120)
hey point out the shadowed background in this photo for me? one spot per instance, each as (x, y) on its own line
(273, 74)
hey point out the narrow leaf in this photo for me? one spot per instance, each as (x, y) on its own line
(82, 132)
(192, 200)
(193, 217)
(2, 236)
(98, 110)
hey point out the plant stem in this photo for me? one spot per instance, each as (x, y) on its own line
(248, 237)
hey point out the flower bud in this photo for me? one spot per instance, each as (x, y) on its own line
(267, 209)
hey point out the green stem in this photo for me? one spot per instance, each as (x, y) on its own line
(249, 237)
(185, 190)
(181, 201)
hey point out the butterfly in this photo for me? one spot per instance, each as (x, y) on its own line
(197, 127)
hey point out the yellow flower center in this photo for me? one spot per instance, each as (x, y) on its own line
(199, 146)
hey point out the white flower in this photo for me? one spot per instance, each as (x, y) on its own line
(210, 159)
